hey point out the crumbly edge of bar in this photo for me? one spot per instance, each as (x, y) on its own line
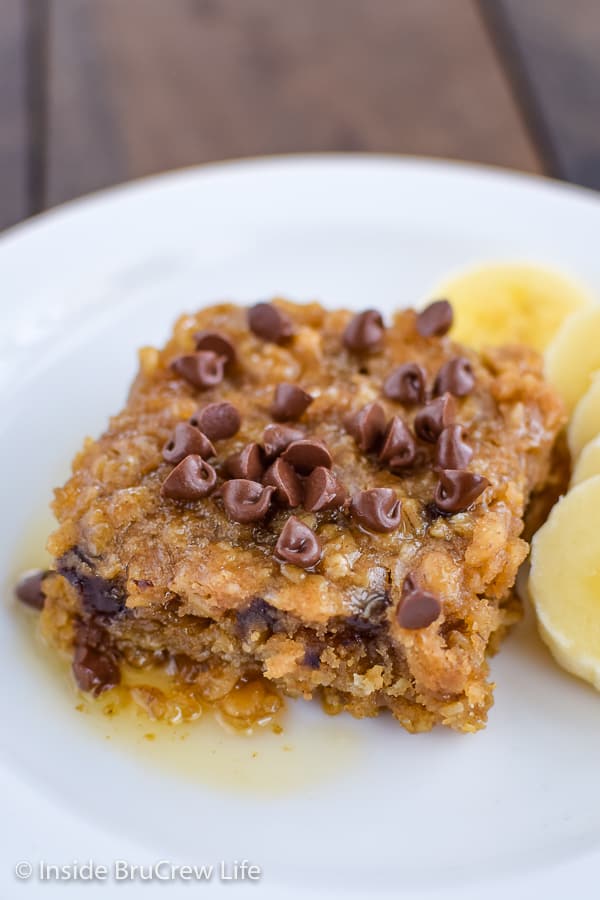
(352, 666)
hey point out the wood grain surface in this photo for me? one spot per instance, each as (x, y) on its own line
(551, 49)
(142, 86)
(95, 93)
(14, 201)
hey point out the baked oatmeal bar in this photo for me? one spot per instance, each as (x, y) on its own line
(310, 497)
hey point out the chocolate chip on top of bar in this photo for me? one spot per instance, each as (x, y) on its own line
(294, 456)
(270, 323)
(324, 499)
(436, 319)
(203, 370)
(216, 342)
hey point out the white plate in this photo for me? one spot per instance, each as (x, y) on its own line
(367, 807)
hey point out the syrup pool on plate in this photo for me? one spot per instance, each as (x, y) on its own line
(293, 747)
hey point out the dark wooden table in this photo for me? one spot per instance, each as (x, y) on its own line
(94, 92)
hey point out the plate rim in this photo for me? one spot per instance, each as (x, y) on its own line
(245, 164)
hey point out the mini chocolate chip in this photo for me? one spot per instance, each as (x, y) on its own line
(399, 446)
(456, 377)
(406, 384)
(452, 451)
(184, 441)
(364, 332)
(94, 670)
(204, 369)
(192, 479)
(457, 490)
(217, 421)
(378, 509)
(323, 490)
(434, 417)
(246, 501)
(298, 544)
(277, 437)
(436, 319)
(269, 323)
(285, 481)
(290, 402)
(305, 455)
(218, 342)
(417, 608)
(366, 426)
(29, 589)
(248, 463)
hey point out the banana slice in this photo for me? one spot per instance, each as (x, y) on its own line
(564, 582)
(511, 304)
(588, 463)
(574, 355)
(585, 421)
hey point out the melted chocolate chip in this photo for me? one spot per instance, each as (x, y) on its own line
(218, 421)
(102, 595)
(323, 490)
(281, 475)
(277, 437)
(435, 320)
(192, 479)
(246, 501)
(406, 384)
(364, 332)
(29, 589)
(399, 446)
(290, 402)
(218, 343)
(417, 608)
(434, 417)
(269, 323)
(95, 670)
(457, 490)
(248, 463)
(204, 369)
(455, 377)
(366, 426)
(99, 595)
(305, 455)
(257, 617)
(184, 441)
(452, 451)
(378, 509)
(298, 544)
(312, 658)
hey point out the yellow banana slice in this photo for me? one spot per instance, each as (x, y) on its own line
(508, 303)
(564, 582)
(573, 357)
(588, 463)
(585, 421)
